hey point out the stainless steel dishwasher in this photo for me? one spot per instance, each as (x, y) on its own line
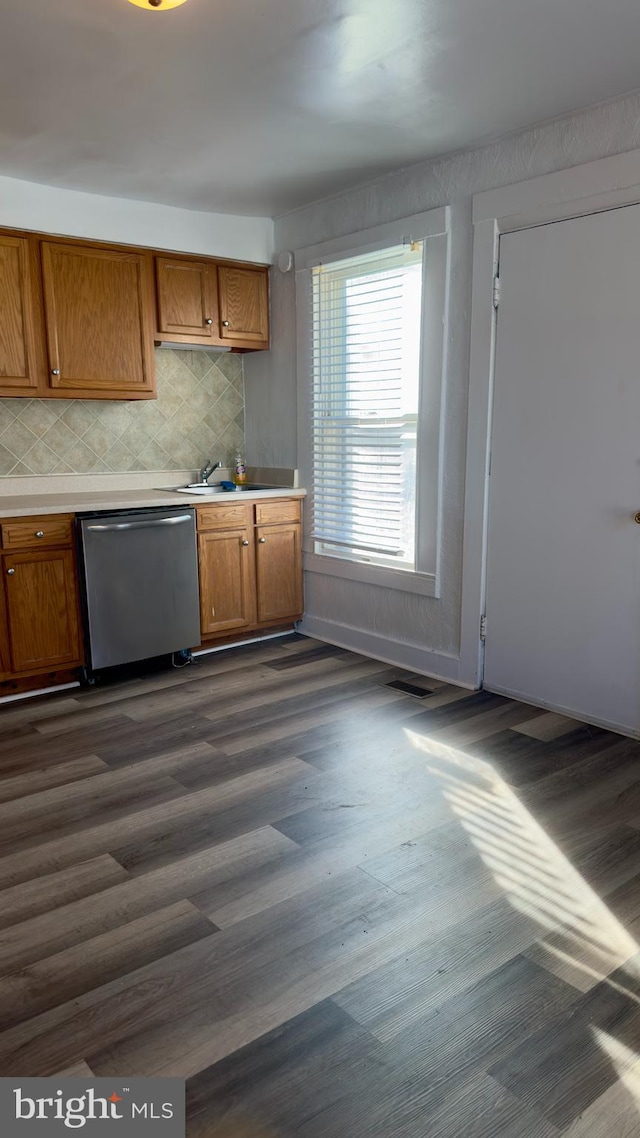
(140, 584)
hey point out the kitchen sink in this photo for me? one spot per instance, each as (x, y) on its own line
(258, 486)
(208, 491)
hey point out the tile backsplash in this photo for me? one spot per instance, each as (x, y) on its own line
(199, 413)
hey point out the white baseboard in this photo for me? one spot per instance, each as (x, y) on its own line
(241, 643)
(412, 657)
(570, 713)
(31, 694)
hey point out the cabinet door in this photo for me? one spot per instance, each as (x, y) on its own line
(187, 300)
(5, 653)
(17, 334)
(279, 572)
(244, 305)
(98, 315)
(42, 609)
(226, 580)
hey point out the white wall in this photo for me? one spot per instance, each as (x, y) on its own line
(28, 205)
(423, 633)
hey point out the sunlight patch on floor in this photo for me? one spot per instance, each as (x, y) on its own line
(581, 939)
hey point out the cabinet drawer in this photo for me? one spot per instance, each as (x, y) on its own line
(36, 532)
(281, 510)
(223, 517)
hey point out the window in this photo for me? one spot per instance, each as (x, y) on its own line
(371, 313)
(366, 393)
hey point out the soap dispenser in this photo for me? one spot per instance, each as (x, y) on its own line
(241, 470)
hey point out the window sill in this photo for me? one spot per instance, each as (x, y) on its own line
(426, 584)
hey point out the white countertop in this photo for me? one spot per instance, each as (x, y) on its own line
(77, 502)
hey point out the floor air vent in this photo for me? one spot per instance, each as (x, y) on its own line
(410, 689)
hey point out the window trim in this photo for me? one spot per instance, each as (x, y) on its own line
(431, 227)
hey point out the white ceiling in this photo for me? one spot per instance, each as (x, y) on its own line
(257, 106)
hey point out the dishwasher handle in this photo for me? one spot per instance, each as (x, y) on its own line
(139, 525)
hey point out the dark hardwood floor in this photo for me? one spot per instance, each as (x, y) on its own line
(336, 908)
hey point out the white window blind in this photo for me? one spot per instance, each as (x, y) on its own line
(365, 404)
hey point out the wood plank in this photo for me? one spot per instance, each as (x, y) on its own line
(301, 869)
(260, 801)
(50, 892)
(203, 974)
(79, 1070)
(475, 1028)
(63, 807)
(221, 702)
(92, 915)
(242, 740)
(405, 989)
(139, 826)
(616, 1111)
(548, 725)
(287, 1075)
(289, 980)
(21, 838)
(34, 781)
(64, 975)
(563, 1068)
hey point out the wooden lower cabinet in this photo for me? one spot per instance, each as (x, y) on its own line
(278, 572)
(226, 580)
(250, 565)
(250, 574)
(38, 604)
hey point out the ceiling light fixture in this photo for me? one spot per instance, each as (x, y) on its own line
(157, 5)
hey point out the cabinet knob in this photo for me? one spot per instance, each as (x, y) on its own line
(208, 320)
(55, 371)
(262, 540)
(226, 323)
(39, 533)
(245, 543)
(10, 572)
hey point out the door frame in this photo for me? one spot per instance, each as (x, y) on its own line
(594, 187)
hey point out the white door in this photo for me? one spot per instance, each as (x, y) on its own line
(563, 568)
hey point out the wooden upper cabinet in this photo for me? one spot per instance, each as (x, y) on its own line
(78, 319)
(18, 366)
(244, 306)
(187, 300)
(98, 310)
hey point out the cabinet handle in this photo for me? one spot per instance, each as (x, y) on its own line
(208, 320)
(55, 371)
(262, 540)
(10, 572)
(226, 323)
(245, 543)
(39, 533)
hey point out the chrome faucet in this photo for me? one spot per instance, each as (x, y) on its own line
(208, 469)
